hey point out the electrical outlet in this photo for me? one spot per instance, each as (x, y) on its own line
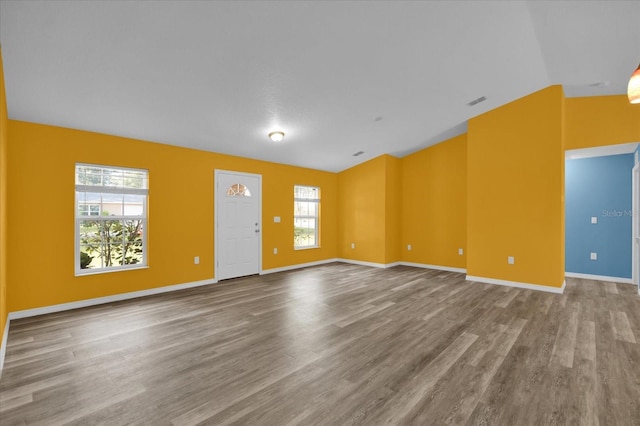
(409, 247)
(276, 219)
(594, 219)
(460, 251)
(353, 245)
(594, 256)
(275, 250)
(511, 260)
(196, 260)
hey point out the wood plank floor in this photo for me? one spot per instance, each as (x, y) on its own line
(335, 345)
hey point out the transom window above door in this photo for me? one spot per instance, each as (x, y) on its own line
(238, 190)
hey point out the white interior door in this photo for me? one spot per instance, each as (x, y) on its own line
(238, 224)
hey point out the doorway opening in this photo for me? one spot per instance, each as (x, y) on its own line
(601, 213)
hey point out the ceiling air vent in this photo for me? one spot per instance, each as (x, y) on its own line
(477, 101)
(358, 153)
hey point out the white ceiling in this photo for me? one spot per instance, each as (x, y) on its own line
(219, 76)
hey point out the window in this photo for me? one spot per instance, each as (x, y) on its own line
(306, 208)
(89, 209)
(238, 190)
(111, 218)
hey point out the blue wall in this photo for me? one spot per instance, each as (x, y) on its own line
(599, 187)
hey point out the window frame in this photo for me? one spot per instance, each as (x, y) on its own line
(89, 211)
(114, 190)
(315, 217)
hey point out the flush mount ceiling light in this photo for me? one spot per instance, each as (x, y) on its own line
(633, 90)
(276, 136)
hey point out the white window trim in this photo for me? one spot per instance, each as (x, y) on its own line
(89, 205)
(316, 218)
(110, 190)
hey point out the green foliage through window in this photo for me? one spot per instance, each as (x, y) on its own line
(112, 242)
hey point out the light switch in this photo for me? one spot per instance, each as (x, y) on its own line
(275, 250)
(594, 256)
(353, 245)
(511, 260)
(408, 246)
(276, 219)
(594, 219)
(196, 260)
(460, 251)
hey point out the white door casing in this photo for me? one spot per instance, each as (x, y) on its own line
(238, 224)
(636, 226)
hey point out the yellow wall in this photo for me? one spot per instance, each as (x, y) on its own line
(3, 203)
(495, 192)
(393, 209)
(601, 120)
(369, 211)
(434, 204)
(361, 211)
(515, 184)
(41, 214)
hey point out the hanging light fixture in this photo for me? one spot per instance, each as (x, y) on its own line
(276, 136)
(633, 90)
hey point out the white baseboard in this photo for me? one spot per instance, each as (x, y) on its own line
(107, 299)
(298, 266)
(599, 278)
(363, 263)
(3, 348)
(372, 264)
(537, 287)
(391, 265)
(437, 267)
